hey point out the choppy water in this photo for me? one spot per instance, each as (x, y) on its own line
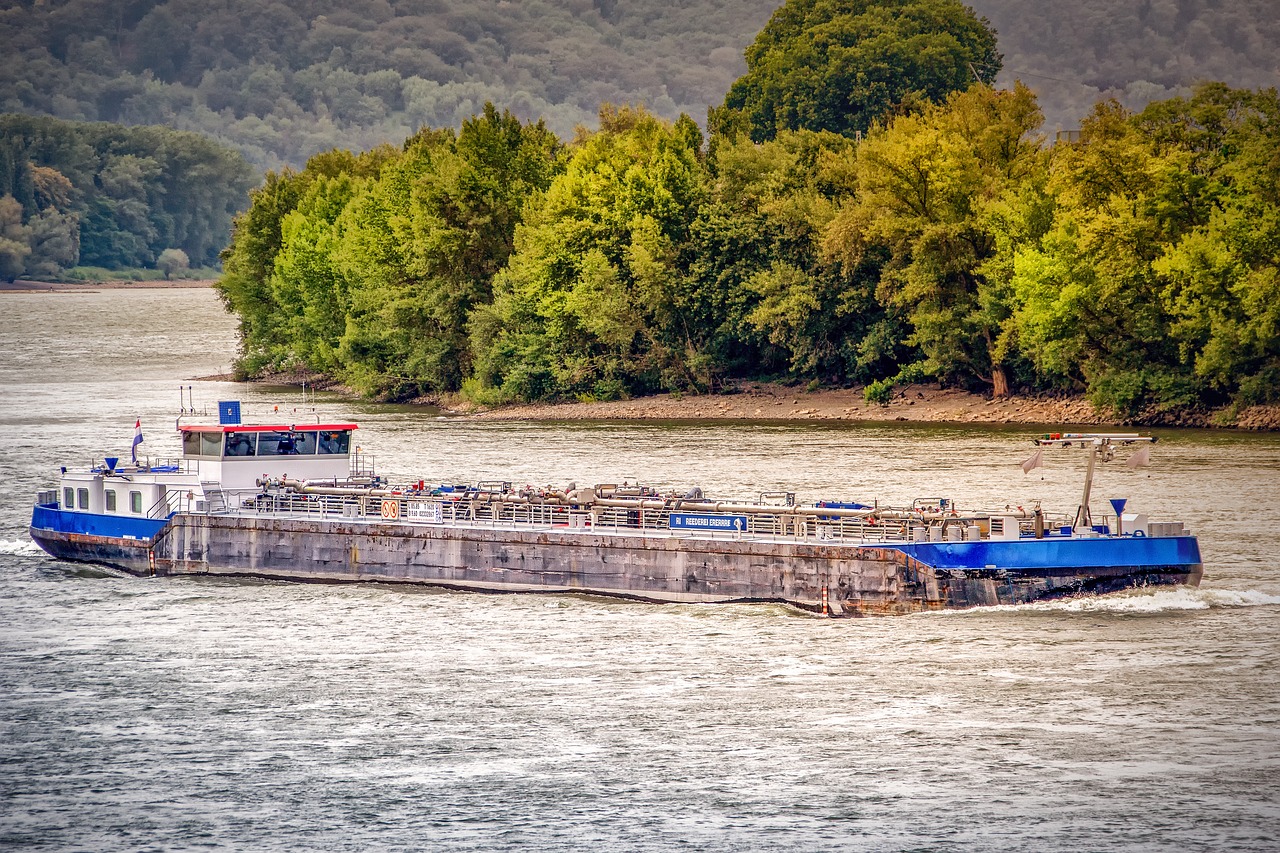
(184, 713)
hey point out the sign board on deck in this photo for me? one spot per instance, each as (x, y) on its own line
(423, 511)
(711, 523)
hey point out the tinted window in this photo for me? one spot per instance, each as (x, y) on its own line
(211, 444)
(241, 444)
(83, 495)
(280, 443)
(305, 441)
(335, 441)
(191, 444)
(135, 502)
(68, 498)
(111, 500)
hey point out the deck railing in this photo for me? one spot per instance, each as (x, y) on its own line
(781, 523)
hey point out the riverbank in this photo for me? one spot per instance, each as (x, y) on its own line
(920, 403)
(27, 286)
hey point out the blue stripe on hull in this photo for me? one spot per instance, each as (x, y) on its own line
(50, 517)
(1042, 555)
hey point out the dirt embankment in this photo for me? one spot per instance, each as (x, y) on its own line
(923, 403)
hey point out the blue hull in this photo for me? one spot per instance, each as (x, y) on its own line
(1052, 554)
(114, 540)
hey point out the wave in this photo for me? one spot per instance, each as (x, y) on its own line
(1144, 601)
(20, 548)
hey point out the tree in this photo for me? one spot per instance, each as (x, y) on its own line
(55, 243)
(842, 65)
(173, 261)
(14, 239)
(590, 303)
(934, 190)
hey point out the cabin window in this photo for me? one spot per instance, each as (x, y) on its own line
(82, 497)
(190, 444)
(110, 495)
(287, 443)
(211, 444)
(335, 441)
(305, 441)
(68, 498)
(277, 444)
(135, 503)
(242, 444)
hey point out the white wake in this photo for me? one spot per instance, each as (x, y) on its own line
(20, 548)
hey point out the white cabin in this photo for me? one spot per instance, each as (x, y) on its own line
(229, 458)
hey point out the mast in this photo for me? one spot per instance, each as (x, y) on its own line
(1100, 445)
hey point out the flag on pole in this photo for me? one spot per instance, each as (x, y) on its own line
(1140, 458)
(1035, 460)
(137, 439)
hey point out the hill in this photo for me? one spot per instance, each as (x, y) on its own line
(283, 80)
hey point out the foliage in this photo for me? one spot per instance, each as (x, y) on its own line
(840, 66)
(593, 300)
(368, 267)
(937, 191)
(1157, 285)
(1137, 263)
(283, 81)
(116, 197)
(172, 261)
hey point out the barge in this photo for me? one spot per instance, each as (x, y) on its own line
(300, 502)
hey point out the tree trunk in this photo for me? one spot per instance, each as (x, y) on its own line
(999, 381)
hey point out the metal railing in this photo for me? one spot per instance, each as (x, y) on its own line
(770, 523)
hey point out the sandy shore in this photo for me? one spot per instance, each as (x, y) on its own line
(922, 403)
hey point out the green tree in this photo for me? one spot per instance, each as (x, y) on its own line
(1220, 268)
(173, 261)
(774, 302)
(842, 65)
(425, 243)
(55, 243)
(591, 302)
(935, 192)
(14, 239)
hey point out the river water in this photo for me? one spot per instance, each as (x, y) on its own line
(184, 713)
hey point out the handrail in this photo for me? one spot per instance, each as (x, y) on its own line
(772, 523)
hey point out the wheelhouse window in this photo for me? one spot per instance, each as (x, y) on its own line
(281, 443)
(191, 444)
(335, 441)
(135, 503)
(242, 444)
(68, 498)
(110, 496)
(305, 441)
(211, 444)
(82, 497)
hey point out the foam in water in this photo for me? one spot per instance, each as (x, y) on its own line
(1137, 602)
(20, 548)
(1144, 601)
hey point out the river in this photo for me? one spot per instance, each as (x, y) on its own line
(192, 713)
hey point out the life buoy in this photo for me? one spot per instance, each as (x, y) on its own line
(391, 509)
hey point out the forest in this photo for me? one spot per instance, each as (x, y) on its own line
(929, 232)
(280, 81)
(108, 196)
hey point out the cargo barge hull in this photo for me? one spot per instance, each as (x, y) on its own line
(835, 579)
